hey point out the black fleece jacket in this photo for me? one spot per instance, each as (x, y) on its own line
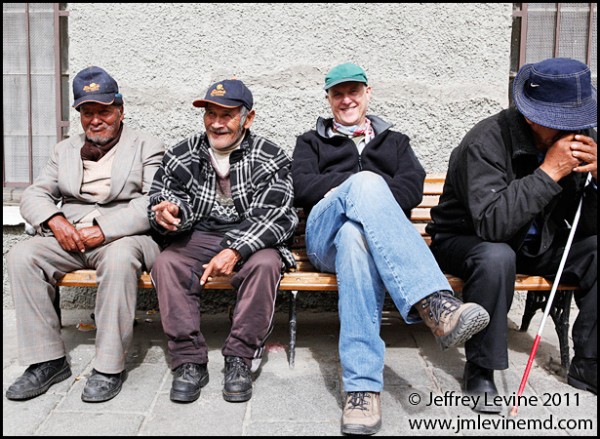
(321, 163)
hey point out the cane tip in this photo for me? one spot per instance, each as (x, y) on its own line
(514, 411)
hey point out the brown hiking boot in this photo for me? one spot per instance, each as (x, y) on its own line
(362, 413)
(451, 321)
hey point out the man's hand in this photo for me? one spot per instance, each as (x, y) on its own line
(92, 237)
(586, 151)
(222, 264)
(560, 159)
(166, 215)
(66, 234)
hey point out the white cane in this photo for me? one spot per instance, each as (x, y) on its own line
(561, 266)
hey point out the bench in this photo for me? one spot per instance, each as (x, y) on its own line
(306, 278)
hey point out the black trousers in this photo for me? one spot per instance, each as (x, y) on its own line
(489, 270)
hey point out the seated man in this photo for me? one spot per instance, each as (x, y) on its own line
(101, 179)
(358, 180)
(223, 201)
(512, 189)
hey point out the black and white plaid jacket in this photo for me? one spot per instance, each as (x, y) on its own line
(261, 186)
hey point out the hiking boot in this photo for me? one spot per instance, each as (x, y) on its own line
(451, 321)
(362, 413)
(238, 380)
(38, 378)
(188, 380)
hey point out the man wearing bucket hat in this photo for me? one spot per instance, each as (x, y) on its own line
(101, 179)
(512, 190)
(358, 180)
(223, 202)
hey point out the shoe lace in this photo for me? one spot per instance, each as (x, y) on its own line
(236, 368)
(189, 370)
(442, 304)
(357, 401)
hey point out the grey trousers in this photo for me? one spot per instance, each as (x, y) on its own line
(176, 276)
(35, 266)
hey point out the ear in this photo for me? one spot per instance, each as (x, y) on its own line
(249, 119)
(530, 123)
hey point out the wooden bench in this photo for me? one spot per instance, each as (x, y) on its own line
(306, 278)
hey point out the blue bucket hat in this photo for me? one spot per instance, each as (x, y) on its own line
(94, 84)
(557, 93)
(230, 93)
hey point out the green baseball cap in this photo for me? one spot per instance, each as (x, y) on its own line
(344, 73)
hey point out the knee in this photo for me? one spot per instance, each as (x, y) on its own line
(122, 254)
(264, 262)
(494, 258)
(368, 181)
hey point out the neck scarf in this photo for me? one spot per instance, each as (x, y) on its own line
(355, 130)
(94, 152)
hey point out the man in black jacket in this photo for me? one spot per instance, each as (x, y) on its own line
(512, 189)
(359, 180)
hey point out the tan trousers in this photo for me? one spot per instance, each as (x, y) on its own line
(34, 267)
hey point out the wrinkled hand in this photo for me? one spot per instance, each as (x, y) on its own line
(91, 236)
(66, 234)
(586, 151)
(166, 215)
(560, 159)
(222, 264)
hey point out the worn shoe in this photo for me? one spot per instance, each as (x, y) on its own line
(583, 374)
(101, 387)
(38, 378)
(479, 382)
(238, 380)
(188, 381)
(362, 413)
(451, 321)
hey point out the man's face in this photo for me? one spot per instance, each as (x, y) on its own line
(101, 123)
(546, 137)
(349, 102)
(224, 126)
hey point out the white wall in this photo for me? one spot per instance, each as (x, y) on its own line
(435, 69)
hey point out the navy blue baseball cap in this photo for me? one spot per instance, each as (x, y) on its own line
(230, 93)
(94, 84)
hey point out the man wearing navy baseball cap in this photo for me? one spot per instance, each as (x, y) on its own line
(101, 178)
(222, 200)
(511, 193)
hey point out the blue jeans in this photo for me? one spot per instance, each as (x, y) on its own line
(360, 233)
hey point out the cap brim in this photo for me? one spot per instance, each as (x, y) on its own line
(340, 81)
(204, 102)
(106, 99)
(549, 115)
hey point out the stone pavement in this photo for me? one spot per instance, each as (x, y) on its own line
(305, 400)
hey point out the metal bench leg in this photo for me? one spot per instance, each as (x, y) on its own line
(56, 304)
(560, 313)
(535, 300)
(293, 326)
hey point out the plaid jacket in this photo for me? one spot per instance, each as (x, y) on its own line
(261, 186)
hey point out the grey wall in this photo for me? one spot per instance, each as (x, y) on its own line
(435, 69)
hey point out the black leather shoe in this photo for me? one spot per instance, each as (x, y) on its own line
(38, 378)
(188, 380)
(479, 383)
(583, 374)
(101, 387)
(238, 380)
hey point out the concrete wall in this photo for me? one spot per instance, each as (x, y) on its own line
(435, 69)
